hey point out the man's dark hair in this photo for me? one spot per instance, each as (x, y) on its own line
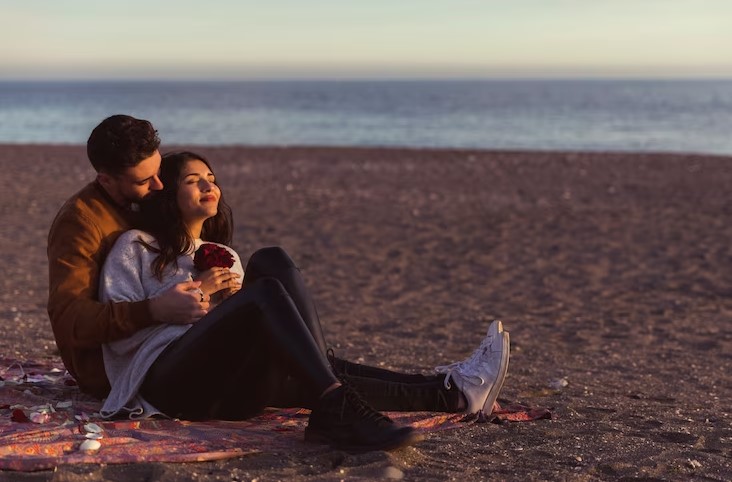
(120, 142)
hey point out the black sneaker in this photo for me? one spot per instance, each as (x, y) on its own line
(345, 421)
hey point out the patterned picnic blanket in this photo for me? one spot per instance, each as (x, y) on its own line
(46, 421)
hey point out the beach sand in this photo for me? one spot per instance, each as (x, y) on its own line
(612, 272)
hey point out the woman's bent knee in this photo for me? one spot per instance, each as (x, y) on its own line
(270, 289)
(272, 259)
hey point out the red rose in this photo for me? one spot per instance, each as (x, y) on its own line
(212, 256)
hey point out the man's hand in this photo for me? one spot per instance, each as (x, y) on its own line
(216, 279)
(181, 304)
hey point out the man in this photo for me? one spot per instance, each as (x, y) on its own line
(124, 152)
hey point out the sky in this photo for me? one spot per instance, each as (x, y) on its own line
(242, 39)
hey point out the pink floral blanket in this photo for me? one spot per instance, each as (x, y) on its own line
(46, 421)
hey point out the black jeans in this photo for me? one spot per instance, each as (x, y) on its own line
(263, 347)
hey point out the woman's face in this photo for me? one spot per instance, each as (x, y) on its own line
(198, 195)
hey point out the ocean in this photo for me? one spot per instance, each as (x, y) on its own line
(689, 116)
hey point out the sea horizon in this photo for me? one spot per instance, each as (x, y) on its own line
(628, 114)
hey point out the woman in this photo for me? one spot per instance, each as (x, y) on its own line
(262, 344)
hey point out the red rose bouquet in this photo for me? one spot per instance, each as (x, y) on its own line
(210, 255)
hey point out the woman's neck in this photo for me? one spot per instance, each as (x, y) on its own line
(195, 228)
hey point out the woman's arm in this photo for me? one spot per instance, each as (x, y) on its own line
(127, 276)
(123, 273)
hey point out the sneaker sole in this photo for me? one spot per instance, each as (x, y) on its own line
(502, 371)
(407, 437)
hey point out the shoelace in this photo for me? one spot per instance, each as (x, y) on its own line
(361, 409)
(358, 404)
(471, 368)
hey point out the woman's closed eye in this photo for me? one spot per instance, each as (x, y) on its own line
(194, 180)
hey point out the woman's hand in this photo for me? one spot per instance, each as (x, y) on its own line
(224, 294)
(215, 280)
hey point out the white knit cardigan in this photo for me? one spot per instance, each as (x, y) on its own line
(127, 276)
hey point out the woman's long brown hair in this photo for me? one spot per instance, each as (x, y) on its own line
(161, 217)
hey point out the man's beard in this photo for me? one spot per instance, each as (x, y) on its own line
(145, 202)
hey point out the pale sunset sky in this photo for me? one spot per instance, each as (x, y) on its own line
(230, 39)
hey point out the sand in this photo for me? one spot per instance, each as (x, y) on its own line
(612, 271)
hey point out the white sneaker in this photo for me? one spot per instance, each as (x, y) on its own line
(480, 377)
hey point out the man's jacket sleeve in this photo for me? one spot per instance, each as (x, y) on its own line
(75, 255)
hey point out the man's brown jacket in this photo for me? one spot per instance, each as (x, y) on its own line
(80, 238)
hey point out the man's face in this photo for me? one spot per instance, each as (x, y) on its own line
(135, 183)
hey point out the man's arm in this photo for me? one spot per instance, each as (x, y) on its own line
(126, 276)
(75, 255)
(78, 319)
